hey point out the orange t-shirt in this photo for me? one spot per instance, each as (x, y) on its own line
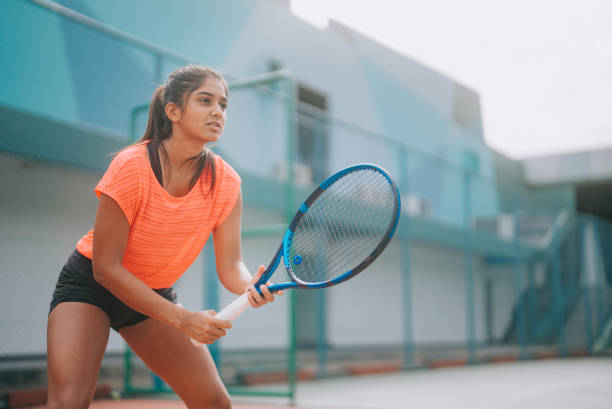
(166, 233)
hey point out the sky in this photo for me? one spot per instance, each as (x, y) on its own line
(542, 68)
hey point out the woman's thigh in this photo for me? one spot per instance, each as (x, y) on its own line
(188, 369)
(77, 334)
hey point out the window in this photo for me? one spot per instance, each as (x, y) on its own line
(312, 138)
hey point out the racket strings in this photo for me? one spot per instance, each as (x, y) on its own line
(357, 241)
(343, 226)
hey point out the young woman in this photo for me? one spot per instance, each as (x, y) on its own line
(159, 201)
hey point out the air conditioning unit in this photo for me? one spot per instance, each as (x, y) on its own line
(302, 174)
(505, 226)
(415, 206)
(502, 226)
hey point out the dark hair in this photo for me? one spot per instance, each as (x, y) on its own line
(180, 85)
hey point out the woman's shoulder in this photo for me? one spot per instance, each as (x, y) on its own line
(225, 170)
(132, 154)
(129, 160)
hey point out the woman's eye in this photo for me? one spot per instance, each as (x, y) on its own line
(223, 106)
(205, 100)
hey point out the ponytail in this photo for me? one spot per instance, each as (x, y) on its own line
(159, 127)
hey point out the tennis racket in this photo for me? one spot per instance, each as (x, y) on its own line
(341, 228)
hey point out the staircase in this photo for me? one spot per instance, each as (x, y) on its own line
(568, 308)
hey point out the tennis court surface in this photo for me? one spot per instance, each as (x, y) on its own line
(561, 383)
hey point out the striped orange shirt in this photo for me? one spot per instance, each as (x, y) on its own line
(167, 233)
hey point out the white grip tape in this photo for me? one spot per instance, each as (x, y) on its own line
(234, 309)
(231, 311)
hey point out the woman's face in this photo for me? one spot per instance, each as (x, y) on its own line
(204, 115)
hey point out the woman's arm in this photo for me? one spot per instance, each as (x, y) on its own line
(111, 231)
(232, 271)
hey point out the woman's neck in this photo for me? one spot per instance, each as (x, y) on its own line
(180, 149)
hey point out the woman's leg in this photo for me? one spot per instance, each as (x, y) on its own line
(188, 369)
(77, 334)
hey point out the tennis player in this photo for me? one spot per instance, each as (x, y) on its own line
(159, 200)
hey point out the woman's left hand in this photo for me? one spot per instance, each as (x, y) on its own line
(255, 299)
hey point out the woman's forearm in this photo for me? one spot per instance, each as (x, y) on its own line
(236, 278)
(138, 296)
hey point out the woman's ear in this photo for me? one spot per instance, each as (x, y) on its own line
(172, 112)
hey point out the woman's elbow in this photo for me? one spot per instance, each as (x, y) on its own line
(231, 277)
(101, 272)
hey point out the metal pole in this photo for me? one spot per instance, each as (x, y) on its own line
(321, 307)
(520, 305)
(558, 292)
(269, 77)
(291, 96)
(321, 333)
(584, 278)
(598, 276)
(211, 293)
(469, 268)
(133, 120)
(127, 370)
(127, 355)
(157, 70)
(406, 266)
(532, 317)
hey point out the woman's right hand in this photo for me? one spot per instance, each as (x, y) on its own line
(203, 327)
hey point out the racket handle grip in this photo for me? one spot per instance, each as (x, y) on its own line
(231, 311)
(234, 309)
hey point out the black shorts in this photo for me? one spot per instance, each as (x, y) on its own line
(76, 284)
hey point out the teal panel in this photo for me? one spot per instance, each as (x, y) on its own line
(108, 76)
(63, 70)
(34, 70)
(66, 71)
(403, 115)
(30, 134)
(202, 30)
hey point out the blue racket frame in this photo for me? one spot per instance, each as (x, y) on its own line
(283, 250)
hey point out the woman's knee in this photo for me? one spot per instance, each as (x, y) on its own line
(68, 398)
(224, 401)
(220, 400)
